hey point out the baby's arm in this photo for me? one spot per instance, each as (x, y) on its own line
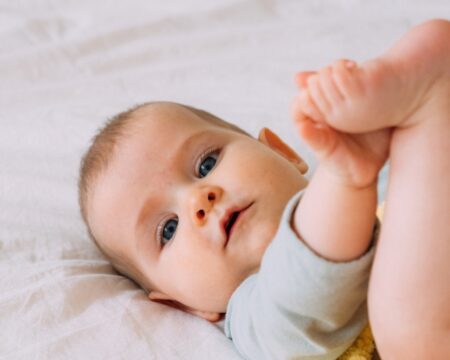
(336, 220)
(337, 212)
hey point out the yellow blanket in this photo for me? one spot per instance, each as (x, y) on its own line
(362, 348)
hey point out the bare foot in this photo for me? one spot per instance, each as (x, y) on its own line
(397, 89)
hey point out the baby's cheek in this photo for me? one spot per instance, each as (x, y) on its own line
(262, 235)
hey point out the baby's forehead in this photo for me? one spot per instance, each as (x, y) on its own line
(156, 133)
(159, 120)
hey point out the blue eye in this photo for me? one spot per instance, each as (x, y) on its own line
(207, 163)
(168, 230)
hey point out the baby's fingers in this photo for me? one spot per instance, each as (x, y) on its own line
(319, 137)
(304, 106)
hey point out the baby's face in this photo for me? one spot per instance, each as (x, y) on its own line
(193, 205)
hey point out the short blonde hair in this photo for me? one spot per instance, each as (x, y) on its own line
(98, 157)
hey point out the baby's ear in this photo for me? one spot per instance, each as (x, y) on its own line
(161, 298)
(269, 138)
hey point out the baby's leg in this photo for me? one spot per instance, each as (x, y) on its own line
(409, 88)
(409, 293)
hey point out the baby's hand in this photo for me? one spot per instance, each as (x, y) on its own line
(355, 159)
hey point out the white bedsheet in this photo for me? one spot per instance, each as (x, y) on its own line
(67, 65)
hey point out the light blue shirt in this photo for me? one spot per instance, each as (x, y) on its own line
(299, 305)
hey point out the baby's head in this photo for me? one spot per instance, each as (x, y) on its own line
(185, 203)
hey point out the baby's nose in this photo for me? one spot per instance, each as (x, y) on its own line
(203, 201)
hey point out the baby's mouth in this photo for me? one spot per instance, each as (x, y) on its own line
(231, 221)
(229, 224)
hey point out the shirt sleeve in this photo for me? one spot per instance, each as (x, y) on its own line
(299, 305)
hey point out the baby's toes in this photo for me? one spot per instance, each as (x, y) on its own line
(346, 76)
(302, 77)
(308, 106)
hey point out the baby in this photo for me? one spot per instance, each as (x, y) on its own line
(212, 221)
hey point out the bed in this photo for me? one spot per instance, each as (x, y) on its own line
(68, 65)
